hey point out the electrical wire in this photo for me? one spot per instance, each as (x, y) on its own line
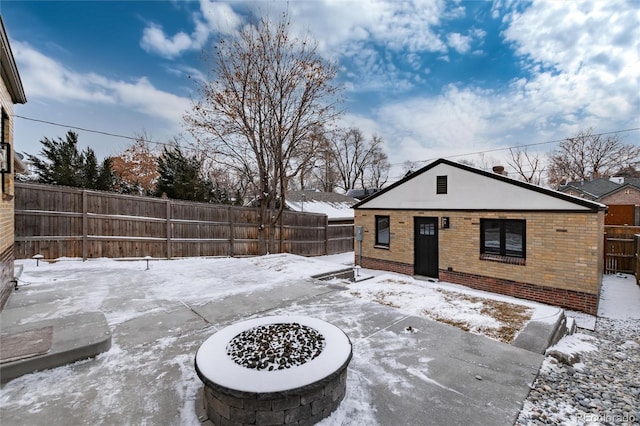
(116, 135)
(100, 132)
(518, 146)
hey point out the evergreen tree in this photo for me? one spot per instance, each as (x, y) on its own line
(180, 177)
(106, 179)
(63, 164)
(89, 172)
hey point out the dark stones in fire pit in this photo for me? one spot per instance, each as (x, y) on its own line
(275, 346)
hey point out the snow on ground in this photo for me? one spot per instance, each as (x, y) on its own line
(170, 283)
(620, 297)
(167, 282)
(583, 320)
(619, 310)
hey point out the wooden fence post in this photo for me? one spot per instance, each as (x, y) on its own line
(85, 225)
(326, 235)
(230, 214)
(168, 229)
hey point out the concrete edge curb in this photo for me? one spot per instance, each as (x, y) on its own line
(75, 337)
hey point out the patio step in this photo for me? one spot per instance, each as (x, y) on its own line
(346, 273)
(538, 335)
(41, 345)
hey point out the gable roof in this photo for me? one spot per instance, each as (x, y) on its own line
(335, 206)
(596, 187)
(601, 187)
(9, 70)
(472, 189)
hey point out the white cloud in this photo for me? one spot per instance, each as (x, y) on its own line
(460, 43)
(584, 71)
(396, 25)
(220, 17)
(582, 55)
(154, 40)
(48, 79)
(45, 77)
(213, 17)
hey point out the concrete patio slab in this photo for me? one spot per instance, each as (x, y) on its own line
(253, 303)
(436, 375)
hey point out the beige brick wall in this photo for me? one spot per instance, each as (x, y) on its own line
(6, 206)
(625, 196)
(563, 250)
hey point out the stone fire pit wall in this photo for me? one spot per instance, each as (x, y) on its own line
(300, 395)
(303, 406)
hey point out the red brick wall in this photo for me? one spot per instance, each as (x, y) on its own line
(387, 265)
(569, 299)
(6, 275)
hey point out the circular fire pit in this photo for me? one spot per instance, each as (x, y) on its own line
(274, 370)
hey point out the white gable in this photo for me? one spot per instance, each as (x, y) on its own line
(467, 190)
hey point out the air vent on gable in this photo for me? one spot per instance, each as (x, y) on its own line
(441, 184)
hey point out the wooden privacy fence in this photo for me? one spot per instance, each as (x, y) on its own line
(68, 222)
(621, 248)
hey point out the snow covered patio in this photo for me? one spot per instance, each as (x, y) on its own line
(406, 368)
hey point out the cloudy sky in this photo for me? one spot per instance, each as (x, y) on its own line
(433, 78)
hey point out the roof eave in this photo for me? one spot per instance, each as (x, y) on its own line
(592, 205)
(9, 69)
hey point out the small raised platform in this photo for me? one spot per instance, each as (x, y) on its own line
(274, 394)
(51, 343)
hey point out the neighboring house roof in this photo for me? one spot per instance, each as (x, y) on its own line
(600, 188)
(471, 189)
(596, 188)
(335, 206)
(9, 70)
(361, 194)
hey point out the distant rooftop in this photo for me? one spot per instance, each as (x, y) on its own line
(361, 194)
(600, 187)
(335, 206)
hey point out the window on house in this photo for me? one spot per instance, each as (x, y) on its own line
(382, 231)
(503, 237)
(441, 184)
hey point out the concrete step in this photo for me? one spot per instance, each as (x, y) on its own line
(73, 338)
(538, 335)
(346, 273)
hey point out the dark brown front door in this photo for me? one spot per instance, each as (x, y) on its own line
(426, 246)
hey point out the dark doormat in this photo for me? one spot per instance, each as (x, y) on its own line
(27, 344)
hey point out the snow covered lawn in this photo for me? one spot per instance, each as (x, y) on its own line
(488, 314)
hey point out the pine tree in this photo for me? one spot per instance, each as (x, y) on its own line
(63, 164)
(180, 177)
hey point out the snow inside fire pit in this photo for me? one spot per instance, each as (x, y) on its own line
(275, 346)
(278, 370)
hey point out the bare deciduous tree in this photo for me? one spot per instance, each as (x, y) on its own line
(356, 159)
(378, 172)
(270, 93)
(527, 165)
(589, 155)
